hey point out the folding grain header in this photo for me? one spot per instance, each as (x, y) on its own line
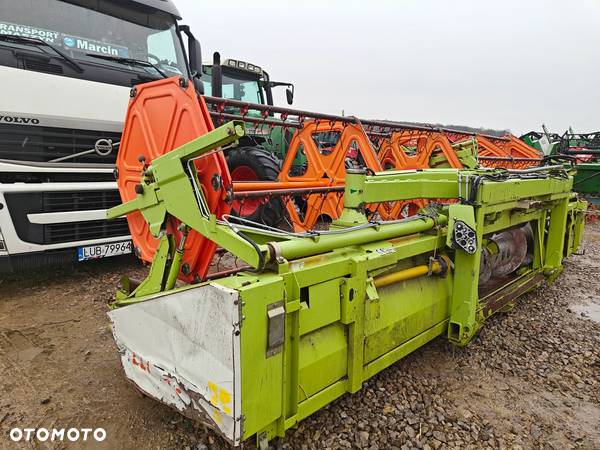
(314, 313)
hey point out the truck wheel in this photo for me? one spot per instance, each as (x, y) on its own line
(256, 164)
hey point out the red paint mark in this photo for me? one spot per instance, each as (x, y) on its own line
(178, 390)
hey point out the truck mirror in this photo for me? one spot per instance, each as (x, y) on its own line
(289, 93)
(195, 52)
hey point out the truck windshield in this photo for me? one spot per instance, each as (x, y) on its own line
(236, 86)
(85, 30)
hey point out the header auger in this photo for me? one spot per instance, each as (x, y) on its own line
(316, 312)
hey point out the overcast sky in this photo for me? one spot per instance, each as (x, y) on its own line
(504, 64)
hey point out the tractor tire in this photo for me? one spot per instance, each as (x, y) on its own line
(256, 164)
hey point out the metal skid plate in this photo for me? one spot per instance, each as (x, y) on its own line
(183, 349)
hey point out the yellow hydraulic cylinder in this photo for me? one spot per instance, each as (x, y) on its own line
(409, 274)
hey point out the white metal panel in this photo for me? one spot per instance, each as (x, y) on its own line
(57, 187)
(67, 216)
(58, 101)
(21, 166)
(183, 349)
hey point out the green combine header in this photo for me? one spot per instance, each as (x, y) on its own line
(313, 315)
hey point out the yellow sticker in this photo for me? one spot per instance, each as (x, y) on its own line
(220, 398)
(213, 393)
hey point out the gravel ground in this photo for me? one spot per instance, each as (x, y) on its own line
(531, 379)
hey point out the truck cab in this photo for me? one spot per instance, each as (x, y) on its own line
(67, 67)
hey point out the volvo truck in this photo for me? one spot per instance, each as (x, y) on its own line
(66, 69)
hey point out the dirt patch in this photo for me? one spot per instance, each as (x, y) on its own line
(530, 379)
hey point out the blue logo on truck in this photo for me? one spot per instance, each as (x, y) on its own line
(69, 41)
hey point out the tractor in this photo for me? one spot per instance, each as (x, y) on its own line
(259, 155)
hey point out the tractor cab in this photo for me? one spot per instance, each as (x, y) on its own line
(242, 81)
(246, 84)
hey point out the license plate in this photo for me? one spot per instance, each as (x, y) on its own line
(103, 250)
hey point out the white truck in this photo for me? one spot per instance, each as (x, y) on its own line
(66, 68)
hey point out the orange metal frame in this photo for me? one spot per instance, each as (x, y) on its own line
(166, 114)
(393, 155)
(424, 144)
(162, 116)
(508, 153)
(325, 167)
